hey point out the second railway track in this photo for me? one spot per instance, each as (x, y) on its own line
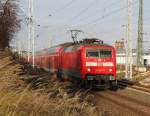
(140, 88)
(130, 85)
(137, 106)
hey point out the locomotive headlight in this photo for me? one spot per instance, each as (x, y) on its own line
(110, 70)
(88, 69)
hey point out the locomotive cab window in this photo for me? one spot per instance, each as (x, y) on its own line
(98, 53)
(105, 53)
(92, 53)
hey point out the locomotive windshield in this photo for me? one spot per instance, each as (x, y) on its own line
(105, 53)
(92, 53)
(98, 53)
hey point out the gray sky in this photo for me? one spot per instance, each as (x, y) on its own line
(97, 18)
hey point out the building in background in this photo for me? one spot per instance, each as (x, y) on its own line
(119, 44)
(121, 57)
(121, 54)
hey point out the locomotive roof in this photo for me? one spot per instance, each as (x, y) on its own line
(69, 44)
(82, 44)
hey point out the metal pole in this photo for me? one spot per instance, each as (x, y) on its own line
(33, 32)
(126, 50)
(50, 38)
(140, 36)
(29, 31)
(129, 42)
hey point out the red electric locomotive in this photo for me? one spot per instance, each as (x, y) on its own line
(89, 60)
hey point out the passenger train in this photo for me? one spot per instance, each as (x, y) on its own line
(89, 61)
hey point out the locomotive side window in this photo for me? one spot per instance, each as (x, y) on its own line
(105, 53)
(92, 53)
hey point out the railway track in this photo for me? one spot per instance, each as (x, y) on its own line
(124, 101)
(139, 88)
(130, 85)
(124, 83)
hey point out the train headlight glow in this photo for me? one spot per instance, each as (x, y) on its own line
(110, 70)
(88, 69)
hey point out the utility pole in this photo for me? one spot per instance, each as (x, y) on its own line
(125, 29)
(129, 43)
(32, 29)
(140, 36)
(29, 30)
(50, 38)
(74, 34)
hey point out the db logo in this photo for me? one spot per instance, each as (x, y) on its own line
(100, 64)
(99, 60)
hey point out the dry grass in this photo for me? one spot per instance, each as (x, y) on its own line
(141, 76)
(37, 95)
(137, 76)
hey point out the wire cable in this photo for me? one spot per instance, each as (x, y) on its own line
(91, 4)
(93, 14)
(89, 16)
(63, 7)
(100, 18)
(106, 15)
(100, 10)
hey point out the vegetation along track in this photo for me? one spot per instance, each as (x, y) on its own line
(124, 101)
(5, 61)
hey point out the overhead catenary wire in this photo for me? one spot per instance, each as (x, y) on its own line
(104, 16)
(99, 10)
(98, 31)
(63, 7)
(91, 4)
(69, 25)
(89, 16)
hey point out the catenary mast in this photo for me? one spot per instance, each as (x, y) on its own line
(140, 36)
(29, 30)
(32, 30)
(128, 74)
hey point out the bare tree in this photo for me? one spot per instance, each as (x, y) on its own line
(9, 21)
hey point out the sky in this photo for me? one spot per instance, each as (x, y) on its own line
(103, 19)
